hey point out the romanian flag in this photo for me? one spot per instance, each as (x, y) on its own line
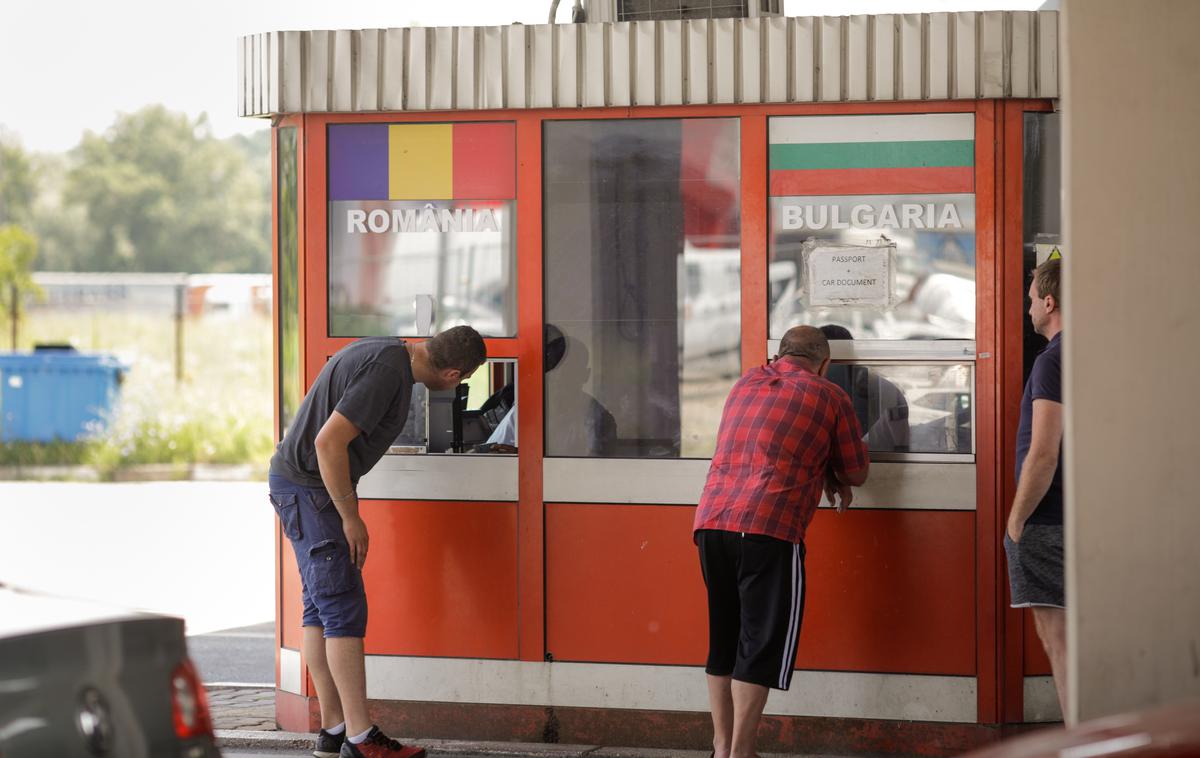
(872, 155)
(461, 161)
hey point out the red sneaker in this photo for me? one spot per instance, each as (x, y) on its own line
(379, 745)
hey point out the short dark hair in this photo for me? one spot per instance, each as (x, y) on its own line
(555, 347)
(805, 342)
(836, 332)
(1047, 276)
(459, 347)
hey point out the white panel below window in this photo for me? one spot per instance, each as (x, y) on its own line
(832, 694)
(621, 480)
(442, 477)
(1041, 700)
(289, 670)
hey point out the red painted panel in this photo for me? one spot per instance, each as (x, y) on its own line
(874, 181)
(988, 517)
(623, 584)
(754, 241)
(1010, 296)
(530, 517)
(888, 590)
(289, 595)
(485, 161)
(441, 579)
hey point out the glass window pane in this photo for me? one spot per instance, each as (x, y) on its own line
(859, 180)
(422, 229)
(487, 414)
(642, 285)
(1043, 210)
(290, 380)
(911, 408)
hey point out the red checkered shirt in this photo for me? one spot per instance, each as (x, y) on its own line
(782, 429)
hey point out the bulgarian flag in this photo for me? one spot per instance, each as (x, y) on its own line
(458, 161)
(931, 153)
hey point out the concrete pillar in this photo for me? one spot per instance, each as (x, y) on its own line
(1131, 103)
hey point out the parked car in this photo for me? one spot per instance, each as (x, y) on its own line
(78, 679)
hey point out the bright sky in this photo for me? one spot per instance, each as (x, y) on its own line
(71, 65)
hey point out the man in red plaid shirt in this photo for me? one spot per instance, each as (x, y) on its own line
(787, 435)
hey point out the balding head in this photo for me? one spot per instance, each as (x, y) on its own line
(807, 344)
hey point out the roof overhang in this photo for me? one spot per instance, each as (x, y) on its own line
(894, 57)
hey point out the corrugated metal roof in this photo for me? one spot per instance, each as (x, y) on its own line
(919, 56)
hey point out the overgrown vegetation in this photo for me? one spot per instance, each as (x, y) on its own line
(155, 192)
(220, 413)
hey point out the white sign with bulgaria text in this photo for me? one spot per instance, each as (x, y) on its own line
(844, 275)
(868, 216)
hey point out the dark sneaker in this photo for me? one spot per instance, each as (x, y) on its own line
(379, 745)
(329, 745)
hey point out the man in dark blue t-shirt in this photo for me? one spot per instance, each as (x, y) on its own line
(350, 416)
(1034, 538)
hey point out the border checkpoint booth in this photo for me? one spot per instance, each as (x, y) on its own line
(632, 213)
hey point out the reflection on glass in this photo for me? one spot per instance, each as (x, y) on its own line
(1042, 217)
(935, 263)
(386, 258)
(289, 278)
(487, 413)
(911, 408)
(643, 282)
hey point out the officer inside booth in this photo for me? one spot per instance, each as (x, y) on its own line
(880, 405)
(464, 419)
(492, 427)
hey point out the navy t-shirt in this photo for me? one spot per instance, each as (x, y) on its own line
(1045, 383)
(369, 382)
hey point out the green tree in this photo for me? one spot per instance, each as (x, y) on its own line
(18, 249)
(162, 194)
(65, 238)
(17, 185)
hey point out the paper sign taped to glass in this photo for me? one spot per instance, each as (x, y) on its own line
(857, 274)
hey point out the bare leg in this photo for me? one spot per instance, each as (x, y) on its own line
(748, 703)
(348, 668)
(720, 700)
(318, 669)
(1052, 628)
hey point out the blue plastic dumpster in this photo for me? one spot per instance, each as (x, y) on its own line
(55, 394)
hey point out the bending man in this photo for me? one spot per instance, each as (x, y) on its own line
(786, 434)
(350, 416)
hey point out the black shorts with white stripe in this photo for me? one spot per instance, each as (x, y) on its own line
(755, 605)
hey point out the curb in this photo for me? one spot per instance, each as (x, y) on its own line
(296, 740)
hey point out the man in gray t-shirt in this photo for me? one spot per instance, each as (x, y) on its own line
(354, 410)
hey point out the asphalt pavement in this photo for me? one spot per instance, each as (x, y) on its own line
(242, 656)
(203, 551)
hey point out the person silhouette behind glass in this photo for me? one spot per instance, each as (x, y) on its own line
(879, 404)
(578, 423)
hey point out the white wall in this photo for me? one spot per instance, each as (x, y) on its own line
(1131, 106)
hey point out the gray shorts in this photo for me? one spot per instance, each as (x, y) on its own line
(1035, 566)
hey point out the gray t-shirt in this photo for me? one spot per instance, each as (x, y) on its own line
(369, 382)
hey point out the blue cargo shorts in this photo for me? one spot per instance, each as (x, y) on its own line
(334, 597)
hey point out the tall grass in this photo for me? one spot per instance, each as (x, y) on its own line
(221, 411)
